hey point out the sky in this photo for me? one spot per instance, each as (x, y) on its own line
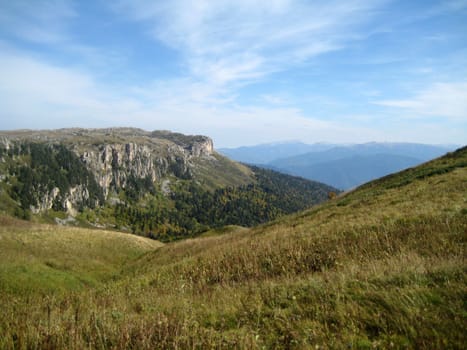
(243, 72)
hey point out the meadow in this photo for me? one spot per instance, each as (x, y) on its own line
(380, 267)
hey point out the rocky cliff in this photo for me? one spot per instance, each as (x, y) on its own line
(116, 158)
(114, 164)
(158, 184)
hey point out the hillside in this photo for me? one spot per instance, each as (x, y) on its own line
(43, 258)
(157, 184)
(380, 267)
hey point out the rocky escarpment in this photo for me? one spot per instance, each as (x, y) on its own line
(158, 184)
(117, 158)
(70, 199)
(115, 164)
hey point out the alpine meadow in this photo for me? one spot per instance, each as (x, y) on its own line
(233, 174)
(382, 266)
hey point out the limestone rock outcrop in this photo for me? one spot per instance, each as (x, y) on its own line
(115, 157)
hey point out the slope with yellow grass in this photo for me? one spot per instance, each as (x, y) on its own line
(380, 267)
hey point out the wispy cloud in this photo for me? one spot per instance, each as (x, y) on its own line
(217, 77)
(446, 100)
(40, 21)
(450, 5)
(50, 26)
(228, 41)
(48, 96)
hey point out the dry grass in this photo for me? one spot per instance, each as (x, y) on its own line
(381, 267)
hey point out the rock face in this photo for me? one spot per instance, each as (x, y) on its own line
(200, 148)
(47, 201)
(117, 157)
(114, 164)
(69, 200)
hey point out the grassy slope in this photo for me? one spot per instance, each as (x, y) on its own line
(48, 258)
(221, 172)
(382, 266)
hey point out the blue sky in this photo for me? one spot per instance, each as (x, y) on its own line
(243, 72)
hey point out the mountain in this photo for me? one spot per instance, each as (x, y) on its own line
(345, 167)
(158, 184)
(382, 266)
(265, 153)
(351, 171)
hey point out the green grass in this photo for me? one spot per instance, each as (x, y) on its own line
(381, 267)
(49, 258)
(221, 172)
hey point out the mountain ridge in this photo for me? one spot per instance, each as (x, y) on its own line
(345, 166)
(155, 183)
(351, 171)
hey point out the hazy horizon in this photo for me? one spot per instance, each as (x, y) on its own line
(244, 73)
(252, 145)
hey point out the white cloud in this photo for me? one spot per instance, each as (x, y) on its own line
(29, 77)
(226, 41)
(36, 94)
(447, 100)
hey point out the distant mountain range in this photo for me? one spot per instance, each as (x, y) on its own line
(341, 166)
(265, 153)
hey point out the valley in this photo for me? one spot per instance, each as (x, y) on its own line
(382, 266)
(258, 175)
